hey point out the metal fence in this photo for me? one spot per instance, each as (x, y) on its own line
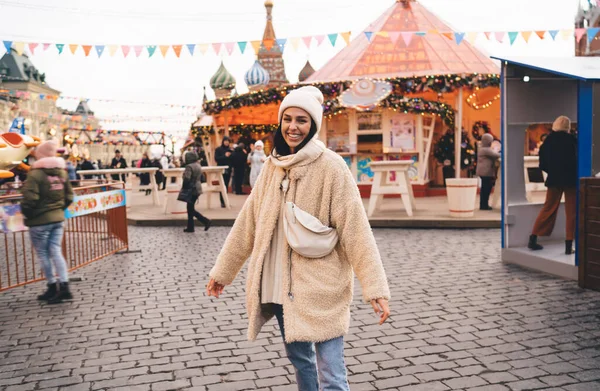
(87, 239)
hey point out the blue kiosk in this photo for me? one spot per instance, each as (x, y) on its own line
(536, 91)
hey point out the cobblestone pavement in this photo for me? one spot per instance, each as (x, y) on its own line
(461, 321)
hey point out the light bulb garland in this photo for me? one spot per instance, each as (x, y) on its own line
(472, 101)
(437, 83)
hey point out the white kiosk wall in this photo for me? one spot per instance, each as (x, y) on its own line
(540, 100)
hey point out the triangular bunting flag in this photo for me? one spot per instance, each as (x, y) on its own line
(434, 31)
(566, 34)
(191, 47)
(230, 46)
(268, 43)
(319, 39)
(422, 33)
(125, 49)
(255, 46)
(242, 46)
(579, 34)
(512, 36)
(60, 47)
(177, 50)
(407, 37)
(383, 34)
(487, 35)
(151, 49)
(138, 50)
(32, 47)
(540, 34)
(73, 48)
(394, 35)
(203, 48)
(46, 46)
(332, 38)
(459, 37)
(281, 43)
(450, 36)
(500, 36)
(591, 33)
(164, 49)
(99, 50)
(368, 34)
(86, 49)
(307, 41)
(553, 34)
(526, 35)
(295, 43)
(217, 47)
(472, 37)
(112, 49)
(346, 37)
(19, 46)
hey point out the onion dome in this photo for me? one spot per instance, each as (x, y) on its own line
(268, 3)
(222, 80)
(257, 75)
(306, 72)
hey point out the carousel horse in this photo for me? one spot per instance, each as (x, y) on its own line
(14, 148)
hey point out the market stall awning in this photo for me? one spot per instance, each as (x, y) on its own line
(585, 68)
(403, 53)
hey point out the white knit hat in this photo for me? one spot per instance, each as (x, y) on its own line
(309, 99)
(259, 144)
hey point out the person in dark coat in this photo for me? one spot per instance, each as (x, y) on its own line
(145, 177)
(486, 169)
(558, 159)
(223, 158)
(191, 189)
(118, 162)
(87, 165)
(240, 162)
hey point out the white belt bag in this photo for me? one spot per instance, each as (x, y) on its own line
(304, 233)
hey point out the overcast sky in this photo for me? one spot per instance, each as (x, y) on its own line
(180, 81)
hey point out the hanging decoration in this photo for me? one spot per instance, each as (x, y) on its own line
(478, 127)
(231, 48)
(365, 94)
(112, 137)
(402, 86)
(243, 130)
(474, 103)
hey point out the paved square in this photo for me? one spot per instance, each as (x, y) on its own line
(461, 320)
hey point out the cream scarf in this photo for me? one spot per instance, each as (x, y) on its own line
(271, 285)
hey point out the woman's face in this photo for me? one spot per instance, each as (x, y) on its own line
(295, 126)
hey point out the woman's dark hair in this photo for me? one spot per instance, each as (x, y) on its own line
(281, 146)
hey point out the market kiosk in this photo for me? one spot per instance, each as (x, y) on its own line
(534, 92)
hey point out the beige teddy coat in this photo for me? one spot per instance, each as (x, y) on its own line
(322, 288)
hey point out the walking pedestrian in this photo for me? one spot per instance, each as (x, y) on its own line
(118, 162)
(257, 159)
(144, 176)
(307, 287)
(191, 190)
(47, 193)
(486, 169)
(223, 158)
(558, 158)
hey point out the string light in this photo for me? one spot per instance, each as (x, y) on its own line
(473, 98)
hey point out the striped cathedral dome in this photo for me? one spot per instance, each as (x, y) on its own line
(306, 72)
(222, 80)
(257, 75)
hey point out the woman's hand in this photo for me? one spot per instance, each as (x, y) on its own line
(214, 288)
(381, 308)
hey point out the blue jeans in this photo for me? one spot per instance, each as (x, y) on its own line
(306, 357)
(47, 241)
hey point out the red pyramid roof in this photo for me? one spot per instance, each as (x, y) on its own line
(431, 54)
